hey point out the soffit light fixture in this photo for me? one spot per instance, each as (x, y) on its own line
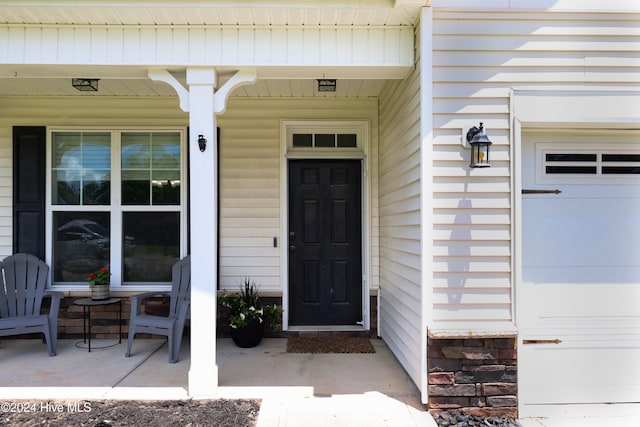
(85, 85)
(326, 85)
(479, 143)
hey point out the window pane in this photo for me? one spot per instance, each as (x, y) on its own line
(325, 140)
(166, 187)
(621, 157)
(166, 151)
(151, 245)
(96, 187)
(302, 140)
(146, 158)
(135, 187)
(588, 170)
(571, 157)
(80, 244)
(81, 172)
(620, 170)
(346, 140)
(66, 188)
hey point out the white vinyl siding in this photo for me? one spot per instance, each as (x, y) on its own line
(249, 172)
(250, 184)
(400, 222)
(478, 59)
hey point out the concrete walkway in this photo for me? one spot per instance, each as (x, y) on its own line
(296, 389)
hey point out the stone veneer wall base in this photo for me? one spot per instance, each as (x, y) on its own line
(475, 376)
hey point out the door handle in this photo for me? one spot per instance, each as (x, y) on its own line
(524, 191)
(556, 341)
(292, 248)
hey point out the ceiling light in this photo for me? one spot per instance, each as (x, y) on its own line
(85, 85)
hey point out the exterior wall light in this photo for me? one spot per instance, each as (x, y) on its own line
(479, 147)
(326, 85)
(202, 142)
(85, 85)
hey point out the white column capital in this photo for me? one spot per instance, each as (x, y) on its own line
(202, 76)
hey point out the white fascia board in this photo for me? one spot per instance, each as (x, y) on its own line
(344, 52)
(411, 3)
(612, 6)
(217, 4)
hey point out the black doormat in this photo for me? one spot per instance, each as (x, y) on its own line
(329, 345)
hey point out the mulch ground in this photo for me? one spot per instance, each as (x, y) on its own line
(329, 345)
(112, 413)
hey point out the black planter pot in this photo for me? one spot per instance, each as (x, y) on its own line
(248, 336)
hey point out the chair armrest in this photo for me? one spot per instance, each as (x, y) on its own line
(185, 311)
(56, 297)
(138, 300)
(53, 295)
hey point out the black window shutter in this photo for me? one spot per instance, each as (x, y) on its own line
(29, 150)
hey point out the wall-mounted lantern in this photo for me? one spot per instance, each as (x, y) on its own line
(479, 147)
(202, 142)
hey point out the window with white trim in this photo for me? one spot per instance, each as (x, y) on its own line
(591, 163)
(330, 138)
(116, 200)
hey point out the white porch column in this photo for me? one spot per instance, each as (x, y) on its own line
(203, 372)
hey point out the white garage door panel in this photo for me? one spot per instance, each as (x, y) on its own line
(595, 376)
(582, 232)
(580, 283)
(548, 301)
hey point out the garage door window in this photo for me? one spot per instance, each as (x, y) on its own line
(591, 163)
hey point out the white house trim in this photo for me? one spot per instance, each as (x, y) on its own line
(162, 75)
(426, 180)
(546, 5)
(277, 52)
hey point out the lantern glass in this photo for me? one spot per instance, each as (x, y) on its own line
(479, 147)
(480, 155)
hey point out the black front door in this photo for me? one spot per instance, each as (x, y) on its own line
(325, 245)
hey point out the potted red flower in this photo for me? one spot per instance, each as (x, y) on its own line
(99, 283)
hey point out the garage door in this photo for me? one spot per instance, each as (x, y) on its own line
(578, 300)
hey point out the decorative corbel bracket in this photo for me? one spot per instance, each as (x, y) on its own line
(160, 74)
(241, 78)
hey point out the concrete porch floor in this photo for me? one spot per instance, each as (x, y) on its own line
(296, 389)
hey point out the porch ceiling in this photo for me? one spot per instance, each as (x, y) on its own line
(353, 88)
(273, 81)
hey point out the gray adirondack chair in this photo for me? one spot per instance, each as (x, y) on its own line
(22, 288)
(179, 310)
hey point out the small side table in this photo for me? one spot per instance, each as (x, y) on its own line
(86, 304)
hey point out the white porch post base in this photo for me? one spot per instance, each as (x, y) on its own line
(203, 381)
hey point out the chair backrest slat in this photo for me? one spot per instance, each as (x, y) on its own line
(181, 285)
(24, 278)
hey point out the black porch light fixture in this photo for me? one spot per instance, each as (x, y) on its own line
(479, 147)
(202, 142)
(85, 85)
(326, 85)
